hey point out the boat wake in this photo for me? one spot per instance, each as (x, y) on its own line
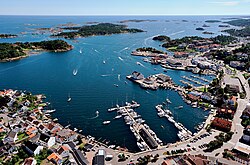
(172, 34)
(124, 49)
(93, 117)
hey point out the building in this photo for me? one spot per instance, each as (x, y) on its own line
(221, 124)
(63, 151)
(242, 149)
(12, 137)
(30, 161)
(32, 148)
(137, 76)
(181, 55)
(173, 63)
(55, 158)
(47, 140)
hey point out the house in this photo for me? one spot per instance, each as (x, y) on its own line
(193, 97)
(47, 140)
(63, 151)
(32, 148)
(30, 161)
(12, 137)
(163, 78)
(231, 88)
(66, 135)
(237, 64)
(173, 63)
(137, 76)
(221, 124)
(196, 159)
(181, 55)
(55, 158)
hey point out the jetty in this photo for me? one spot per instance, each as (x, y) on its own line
(184, 133)
(146, 137)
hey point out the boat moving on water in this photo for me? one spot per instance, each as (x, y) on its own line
(106, 122)
(69, 98)
(75, 72)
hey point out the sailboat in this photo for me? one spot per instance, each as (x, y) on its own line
(80, 51)
(69, 98)
(75, 72)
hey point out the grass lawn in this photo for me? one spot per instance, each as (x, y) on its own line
(21, 136)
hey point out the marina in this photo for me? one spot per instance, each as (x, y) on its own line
(184, 133)
(146, 137)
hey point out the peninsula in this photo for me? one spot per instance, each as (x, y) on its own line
(96, 30)
(18, 50)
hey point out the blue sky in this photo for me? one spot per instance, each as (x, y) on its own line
(125, 7)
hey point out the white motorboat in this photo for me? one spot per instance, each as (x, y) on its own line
(106, 122)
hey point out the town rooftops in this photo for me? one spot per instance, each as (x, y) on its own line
(30, 145)
(44, 137)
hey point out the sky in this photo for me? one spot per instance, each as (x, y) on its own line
(125, 7)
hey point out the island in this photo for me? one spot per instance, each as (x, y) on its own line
(200, 29)
(95, 30)
(206, 32)
(239, 22)
(205, 25)
(245, 32)
(18, 50)
(137, 20)
(162, 38)
(8, 35)
(212, 21)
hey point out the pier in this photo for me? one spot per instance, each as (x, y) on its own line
(194, 81)
(184, 133)
(146, 138)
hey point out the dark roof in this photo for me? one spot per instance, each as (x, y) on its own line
(79, 157)
(12, 134)
(44, 137)
(30, 145)
(98, 160)
(71, 145)
(148, 139)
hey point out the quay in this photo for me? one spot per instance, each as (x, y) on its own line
(154, 82)
(146, 138)
(184, 133)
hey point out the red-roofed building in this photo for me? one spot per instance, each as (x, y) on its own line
(221, 124)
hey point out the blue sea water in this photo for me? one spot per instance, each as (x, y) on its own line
(93, 88)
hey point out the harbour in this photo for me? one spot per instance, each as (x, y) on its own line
(89, 91)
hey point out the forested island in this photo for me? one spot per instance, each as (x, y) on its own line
(95, 30)
(8, 35)
(200, 29)
(245, 32)
(183, 42)
(212, 21)
(14, 51)
(239, 22)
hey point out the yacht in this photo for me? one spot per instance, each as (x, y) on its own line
(80, 51)
(74, 72)
(104, 62)
(118, 117)
(141, 146)
(106, 122)
(180, 107)
(168, 101)
(50, 111)
(97, 113)
(138, 63)
(69, 98)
